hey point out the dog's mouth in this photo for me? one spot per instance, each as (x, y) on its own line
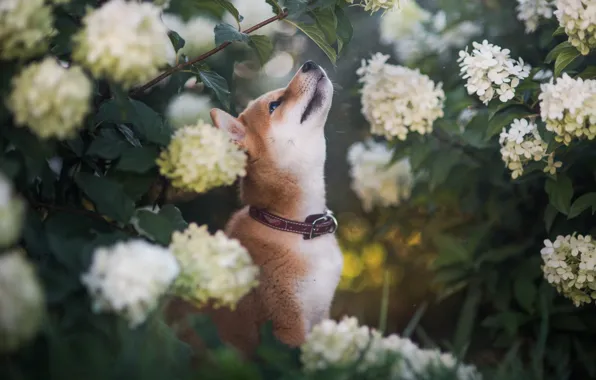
(315, 101)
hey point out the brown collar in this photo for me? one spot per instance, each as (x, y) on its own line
(313, 226)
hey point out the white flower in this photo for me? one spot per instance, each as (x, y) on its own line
(253, 12)
(129, 277)
(11, 213)
(569, 265)
(21, 301)
(521, 144)
(332, 344)
(376, 5)
(568, 107)
(188, 108)
(201, 157)
(24, 28)
(198, 33)
(373, 180)
(215, 268)
(578, 17)
(51, 100)
(490, 71)
(531, 11)
(125, 42)
(414, 32)
(397, 100)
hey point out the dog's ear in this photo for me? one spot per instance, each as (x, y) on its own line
(225, 121)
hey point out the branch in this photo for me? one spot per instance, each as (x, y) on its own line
(206, 55)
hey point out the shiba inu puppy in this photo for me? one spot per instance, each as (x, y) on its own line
(285, 224)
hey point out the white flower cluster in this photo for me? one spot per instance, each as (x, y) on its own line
(531, 11)
(339, 344)
(397, 100)
(253, 12)
(24, 28)
(570, 266)
(376, 5)
(21, 301)
(201, 157)
(521, 144)
(490, 70)
(215, 268)
(51, 100)
(129, 277)
(123, 41)
(415, 32)
(373, 180)
(568, 107)
(11, 213)
(578, 17)
(188, 108)
(198, 33)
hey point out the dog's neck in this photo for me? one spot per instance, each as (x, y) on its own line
(289, 195)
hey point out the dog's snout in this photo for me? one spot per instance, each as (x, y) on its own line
(309, 66)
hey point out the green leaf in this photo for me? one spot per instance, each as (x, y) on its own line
(262, 46)
(525, 292)
(345, 31)
(564, 59)
(560, 192)
(419, 154)
(568, 322)
(552, 55)
(467, 318)
(581, 204)
(177, 41)
(145, 121)
(442, 166)
(550, 214)
(451, 250)
(227, 33)
(327, 22)
(296, 8)
(314, 33)
(219, 86)
(108, 196)
(588, 73)
(503, 118)
(227, 5)
(138, 160)
(135, 185)
(109, 144)
(159, 227)
(559, 31)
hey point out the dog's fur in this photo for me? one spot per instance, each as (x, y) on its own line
(285, 175)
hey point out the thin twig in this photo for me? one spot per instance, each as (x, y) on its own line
(206, 55)
(77, 211)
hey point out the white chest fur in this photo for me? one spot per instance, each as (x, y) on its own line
(316, 290)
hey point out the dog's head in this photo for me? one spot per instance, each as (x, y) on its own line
(283, 129)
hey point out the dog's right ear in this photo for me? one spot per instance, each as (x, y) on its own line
(225, 121)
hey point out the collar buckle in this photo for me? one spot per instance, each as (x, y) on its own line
(328, 215)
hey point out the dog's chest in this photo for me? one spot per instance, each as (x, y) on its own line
(316, 289)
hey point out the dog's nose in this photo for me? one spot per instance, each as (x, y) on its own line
(308, 66)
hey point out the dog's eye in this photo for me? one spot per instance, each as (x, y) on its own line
(274, 105)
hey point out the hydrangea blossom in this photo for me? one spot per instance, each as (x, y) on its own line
(490, 71)
(531, 11)
(332, 344)
(188, 108)
(21, 301)
(568, 107)
(201, 157)
(373, 180)
(198, 33)
(397, 100)
(570, 266)
(521, 144)
(215, 268)
(578, 17)
(129, 277)
(11, 213)
(415, 32)
(24, 28)
(51, 100)
(125, 42)
(253, 12)
(375, 5)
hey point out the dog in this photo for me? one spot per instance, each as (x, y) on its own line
(284, 225)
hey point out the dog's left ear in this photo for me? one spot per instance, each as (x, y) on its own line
(223, 120)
